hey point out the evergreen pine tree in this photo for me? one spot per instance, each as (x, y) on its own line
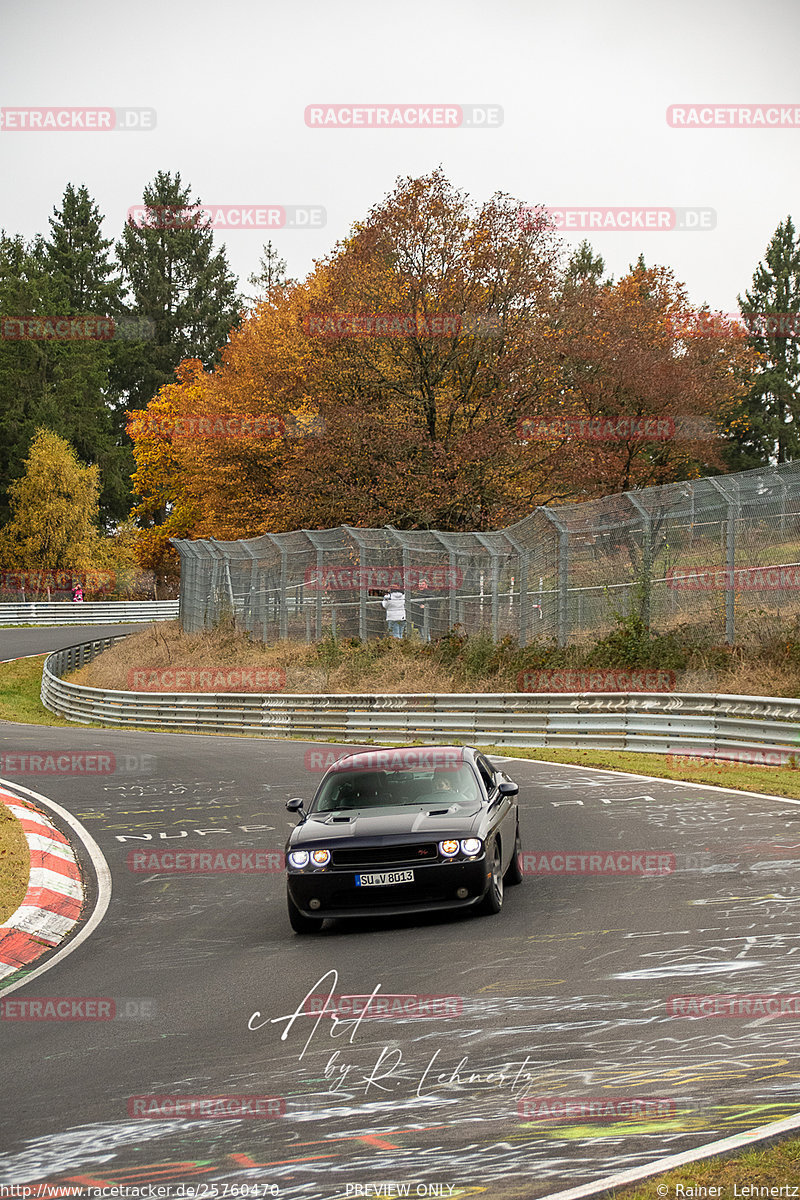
(78, 256)
(81, 406)
(585, 265)
(270, 275)
(772, 408)
(174, 280)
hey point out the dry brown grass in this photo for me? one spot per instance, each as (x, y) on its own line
(391, 667)
(164, 646)
(14, 863)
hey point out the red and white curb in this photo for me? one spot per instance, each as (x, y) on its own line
(53, 902)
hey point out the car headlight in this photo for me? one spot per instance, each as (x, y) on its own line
(448, 848)
(298, 858)
(321, 858)
(471, 846)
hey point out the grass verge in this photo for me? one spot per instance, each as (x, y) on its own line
(15, 863)
(20, 687)
(776, 1167)
(777, 781)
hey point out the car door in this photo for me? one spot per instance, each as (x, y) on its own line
(502, 809)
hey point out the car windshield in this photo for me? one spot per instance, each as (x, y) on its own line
(438, 788)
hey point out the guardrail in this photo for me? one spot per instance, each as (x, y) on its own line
(90, 612)
(654, 722)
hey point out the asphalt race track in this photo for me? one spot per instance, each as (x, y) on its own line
(563, 995)
(16, 643)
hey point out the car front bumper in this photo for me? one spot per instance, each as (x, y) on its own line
(435, 886)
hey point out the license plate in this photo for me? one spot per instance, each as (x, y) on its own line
(382, 878)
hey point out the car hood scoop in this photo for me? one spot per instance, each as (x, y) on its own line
(393, 821)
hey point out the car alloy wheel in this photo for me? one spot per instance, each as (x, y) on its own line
(493, 900)
(514, 873)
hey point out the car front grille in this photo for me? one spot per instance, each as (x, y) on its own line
(396, 896)
(379, 856)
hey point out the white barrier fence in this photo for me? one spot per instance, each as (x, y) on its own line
(66, 612)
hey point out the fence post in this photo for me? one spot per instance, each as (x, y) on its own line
(523, 565)
(647, 556)
(732, 513)
(362, 589)
(453, 614)
(484, 541)
(318, 597)
(283, 610)
(252, 597)
(563, 574)
(784, 496)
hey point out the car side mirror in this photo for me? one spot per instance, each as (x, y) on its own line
(508, 789)
(295, 805)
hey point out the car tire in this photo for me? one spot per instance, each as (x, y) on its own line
(513, 875)
(301, 923)
(493, 900)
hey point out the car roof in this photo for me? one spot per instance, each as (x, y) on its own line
(399, 756)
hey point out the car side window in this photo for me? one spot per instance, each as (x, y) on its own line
(486, 773)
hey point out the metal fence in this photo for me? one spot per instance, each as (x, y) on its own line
(102, 613)
(722, 552)
(747, 728)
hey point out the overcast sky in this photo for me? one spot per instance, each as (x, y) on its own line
(584, 89)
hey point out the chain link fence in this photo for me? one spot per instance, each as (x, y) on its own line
(720, 552)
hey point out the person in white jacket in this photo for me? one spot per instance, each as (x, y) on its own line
(395, 605)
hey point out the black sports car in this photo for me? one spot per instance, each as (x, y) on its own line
(403, 830)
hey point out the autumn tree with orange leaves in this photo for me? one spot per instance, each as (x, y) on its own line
(399, 382)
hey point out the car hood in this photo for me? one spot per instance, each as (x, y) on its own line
(377, 823)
